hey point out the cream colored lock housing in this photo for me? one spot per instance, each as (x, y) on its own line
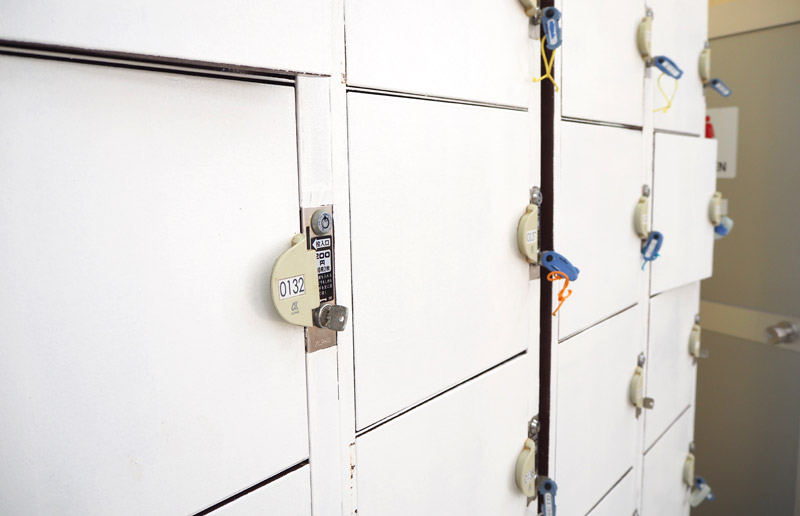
(644, 36)
(641, 219)
(688, 470)
(694, 341)
(295, 283)
(525, 470)
(715, 208)
(704, 64)
(528, 233)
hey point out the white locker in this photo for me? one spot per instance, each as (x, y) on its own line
(680, 30)
(664, 493)
(671, 370)
(143, 368)
(595, 422)
(603, 73)
(684, 181)
(453, 455)
(597, 191)
(475, 50)
(440, 290)
(292, 36)
(289, 495)
(621, 500)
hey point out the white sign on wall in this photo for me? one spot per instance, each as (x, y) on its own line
(726, 130)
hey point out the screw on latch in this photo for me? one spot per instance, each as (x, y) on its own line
(691, 447)
(697, 319)
(536, 196)
(641, 360)
(533, 427)
(646, 190)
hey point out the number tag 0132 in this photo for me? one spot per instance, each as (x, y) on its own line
(295, 283)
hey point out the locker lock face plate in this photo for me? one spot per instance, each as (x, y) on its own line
(641, 220)
(694, 342)
(644, 36)
(688, 470)
(525, 470)
(528, 233)
(715, 209)
(637, 391)
(295, 283)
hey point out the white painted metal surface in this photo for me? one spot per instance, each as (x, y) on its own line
(603, 73)
(475, 50)
(596, 425)
(671, 370)
(278, 35)
(601, 181)
(289, 495)
(143, 369)
(440, 290)
(664, 493)
(680, 29)
(683, 183)
(452, 455)
(620, 501)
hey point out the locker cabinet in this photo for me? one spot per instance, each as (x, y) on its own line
(453, 455)
(671, 370)
(277, 35)
(143, 368)
(680, 29)
(684, 180)
(595, 422)
(664, 492)
(476, 50)
(603, 73)
(597, 191)
(440, 290)
(289, 495)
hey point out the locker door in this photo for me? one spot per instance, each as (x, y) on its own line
(621, 500)
(289, 495)
(440, 290)
(143, 369)
(596, 424)
(476, 50)
(597, 191)
(278, 35)
(684, 180)
(671, 370)
(680, 29)
(664, 492)
(603, 73)
(453, 455)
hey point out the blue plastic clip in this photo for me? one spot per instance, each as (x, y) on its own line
(652, 246)
(723, 228)
(720, 87)
(547, 491)
(668, 66)
(698, 484)
(552, 261)
(551, 21)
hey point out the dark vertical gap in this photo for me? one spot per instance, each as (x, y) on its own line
(546, 216)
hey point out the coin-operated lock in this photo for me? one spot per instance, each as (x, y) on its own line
(525, 470)
(699, 490)
(641, 218)
(644, 38)
(694, 340)
(528, 242)
(302, 278)
(704, 69)
(636, 391)
(532, 9)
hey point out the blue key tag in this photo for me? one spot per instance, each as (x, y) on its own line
(668, 66)
(723, 228)
(720, 87)
(553, 262)
(651, 246)
(551, 22)
(547, 492)
(700, 493)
